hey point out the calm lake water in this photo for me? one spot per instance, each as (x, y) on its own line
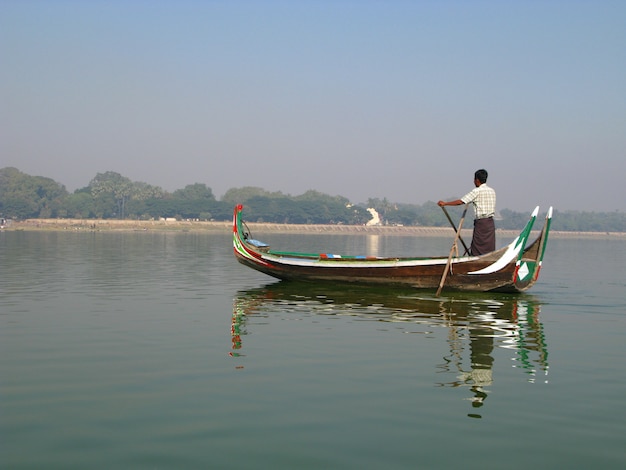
(159, 351)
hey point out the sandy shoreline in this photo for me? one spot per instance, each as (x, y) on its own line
(199, 226)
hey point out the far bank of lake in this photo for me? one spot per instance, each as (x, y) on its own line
(262, 227)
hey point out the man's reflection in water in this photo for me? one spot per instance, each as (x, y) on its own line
(514, 325)
(481, 360)
(479, 376)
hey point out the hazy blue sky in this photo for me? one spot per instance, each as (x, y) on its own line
(395, 99)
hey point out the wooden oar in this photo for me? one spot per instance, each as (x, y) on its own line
(454, 247)
(454, 227)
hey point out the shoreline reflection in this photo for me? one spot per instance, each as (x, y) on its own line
(476, 323)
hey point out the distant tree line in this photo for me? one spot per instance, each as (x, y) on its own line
(110, 195)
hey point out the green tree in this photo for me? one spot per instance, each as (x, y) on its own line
(112, 193)
(25, 196)
(244, 194)
(111, 187)
(197, 191)
(141, 191)
(79, 205)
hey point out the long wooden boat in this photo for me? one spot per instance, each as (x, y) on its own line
(513, 268)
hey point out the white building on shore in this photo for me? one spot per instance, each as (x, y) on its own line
(375, 220)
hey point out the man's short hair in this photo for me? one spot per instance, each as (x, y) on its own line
(481, 175)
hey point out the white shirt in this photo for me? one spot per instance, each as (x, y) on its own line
(484, 199)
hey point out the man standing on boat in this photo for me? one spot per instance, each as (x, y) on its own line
(484, 199)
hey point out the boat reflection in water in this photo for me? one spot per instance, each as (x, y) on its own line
(476, 324)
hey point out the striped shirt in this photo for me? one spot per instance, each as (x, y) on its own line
(484, 199)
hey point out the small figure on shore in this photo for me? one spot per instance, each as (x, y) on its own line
(484, 200)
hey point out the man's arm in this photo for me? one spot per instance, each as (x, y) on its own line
(456, 202)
